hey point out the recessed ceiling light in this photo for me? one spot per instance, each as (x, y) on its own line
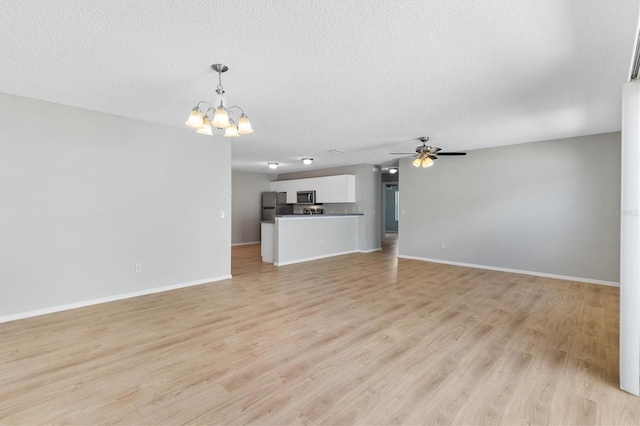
(307, 161)
(272, 165)
(393, 170)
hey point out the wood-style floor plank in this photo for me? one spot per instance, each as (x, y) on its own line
(355, 339)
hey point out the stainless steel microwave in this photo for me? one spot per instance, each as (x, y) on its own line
(306, 197)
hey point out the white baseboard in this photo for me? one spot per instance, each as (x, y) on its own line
(245, 244)
(84, 303)
(308, 259)
(370, 251)
(515, 271)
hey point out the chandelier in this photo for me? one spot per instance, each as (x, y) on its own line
(220, 116)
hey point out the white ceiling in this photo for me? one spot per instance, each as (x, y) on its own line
(361, 76)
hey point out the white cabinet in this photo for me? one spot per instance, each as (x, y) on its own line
(329, 189)
(347, 188)
(276, 186)
(287, 186)
(322, 190)
(310, 184)
(338, 189)
(292, 191)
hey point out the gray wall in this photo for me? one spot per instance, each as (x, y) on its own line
(539, 207)
(368, 198)
(85, 196)
(246, 205)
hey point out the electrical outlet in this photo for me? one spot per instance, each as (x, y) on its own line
(221, 214)
(443, 245)
(138, 267)
(321, 242)
(402, 212)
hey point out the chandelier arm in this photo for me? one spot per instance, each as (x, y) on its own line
(210, 109)
(235, 106)
(205, 102)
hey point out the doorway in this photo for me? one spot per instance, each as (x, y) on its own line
(391, 207)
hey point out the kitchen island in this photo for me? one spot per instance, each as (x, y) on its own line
(299, 238)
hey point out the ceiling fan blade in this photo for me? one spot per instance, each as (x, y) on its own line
(402, 153)
(452, 153)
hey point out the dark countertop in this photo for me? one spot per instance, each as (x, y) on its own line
(311, 216)
(320, 215)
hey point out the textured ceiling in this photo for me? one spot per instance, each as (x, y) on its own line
(360, 76)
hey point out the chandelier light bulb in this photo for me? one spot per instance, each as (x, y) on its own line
(244, 125)
(195, 119)
(221, 117)
(206, 127)
(231, 131)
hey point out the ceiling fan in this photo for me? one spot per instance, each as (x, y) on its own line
(426, 154)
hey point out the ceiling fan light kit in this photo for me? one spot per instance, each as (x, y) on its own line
(424, 162)
(427, 154)
(221, 114)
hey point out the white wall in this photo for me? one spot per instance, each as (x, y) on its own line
(368, 199)
(630, 241)
(540, 207)
(247, 205)
(86, 196)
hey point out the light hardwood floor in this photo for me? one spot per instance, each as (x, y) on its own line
(355, 339)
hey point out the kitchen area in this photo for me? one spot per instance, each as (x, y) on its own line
(297, 227)
(275, 204)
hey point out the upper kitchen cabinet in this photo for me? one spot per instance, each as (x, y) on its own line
(322, 189)
(329, 189)
(338, 189)
(345, 189)
(287, 186)
(276, 186)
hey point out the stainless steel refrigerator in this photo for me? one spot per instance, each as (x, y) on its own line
(275, 203)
